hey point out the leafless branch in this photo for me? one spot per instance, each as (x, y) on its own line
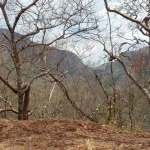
(8, 85)
(127, 17)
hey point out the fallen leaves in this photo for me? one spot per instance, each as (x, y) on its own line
(68, 134)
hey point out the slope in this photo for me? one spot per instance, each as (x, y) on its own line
(62, 134)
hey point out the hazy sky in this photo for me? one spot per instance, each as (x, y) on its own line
(124, 33)
(93, 51)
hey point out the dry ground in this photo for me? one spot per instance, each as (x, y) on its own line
(63, 134)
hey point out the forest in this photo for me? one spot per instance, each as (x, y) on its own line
(50, 65)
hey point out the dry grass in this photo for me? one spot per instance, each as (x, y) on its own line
(63, 134)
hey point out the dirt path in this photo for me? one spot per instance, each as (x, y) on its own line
(62, 134)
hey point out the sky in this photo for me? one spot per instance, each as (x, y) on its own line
(91, 52)
(122, 34)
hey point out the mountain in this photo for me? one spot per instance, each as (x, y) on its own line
(66, 61)
(46, 56)
(129, 58)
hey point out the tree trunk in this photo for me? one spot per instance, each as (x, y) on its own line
(20, 106)
(26, 104)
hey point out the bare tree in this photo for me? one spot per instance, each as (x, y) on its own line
(33, 29)
(136, 13)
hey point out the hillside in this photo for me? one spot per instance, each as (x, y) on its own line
(56, 59)
(128, 58)
(63, 60)
(62, 134)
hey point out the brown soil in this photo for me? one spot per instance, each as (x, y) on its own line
(63, 134)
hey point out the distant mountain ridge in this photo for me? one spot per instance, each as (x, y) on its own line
(64, 60)
(128, 58)
(56, 59)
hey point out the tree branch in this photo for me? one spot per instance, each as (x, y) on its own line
(125, 16)
(8, 85)
(5, 15)
(10, 106)
(144, 90)
(21, 12)
(38, 76)
(64, 90)
(9, 109)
